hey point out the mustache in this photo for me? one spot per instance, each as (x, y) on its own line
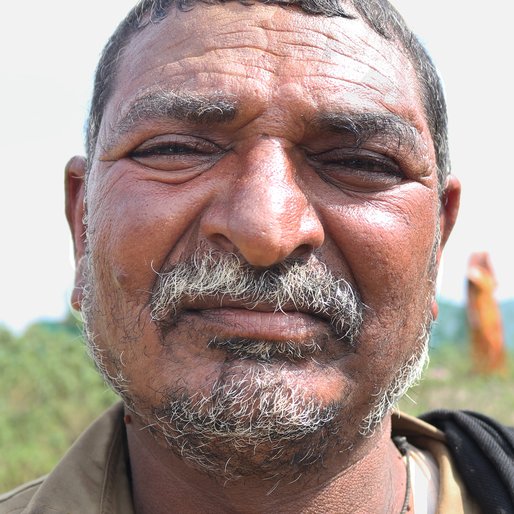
(301, 285)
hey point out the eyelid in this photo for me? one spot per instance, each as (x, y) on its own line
(194, 142)
(346, 154)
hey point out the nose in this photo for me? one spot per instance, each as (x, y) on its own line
(266, 217)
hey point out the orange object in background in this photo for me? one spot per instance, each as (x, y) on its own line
(486, 330)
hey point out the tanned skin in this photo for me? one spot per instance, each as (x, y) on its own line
(268, 183)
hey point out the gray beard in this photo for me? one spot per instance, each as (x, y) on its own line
(303, 285)
(252, 422)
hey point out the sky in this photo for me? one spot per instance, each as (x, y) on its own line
(49, 53)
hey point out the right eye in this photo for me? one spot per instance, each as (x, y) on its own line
(176, 153)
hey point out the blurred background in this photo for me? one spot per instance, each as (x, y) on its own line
(48, 389)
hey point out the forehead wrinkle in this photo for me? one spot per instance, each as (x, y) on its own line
(267, 38)
(346, 80)
(359, 44)
(272, 69)
(318, 54)
(374, 70)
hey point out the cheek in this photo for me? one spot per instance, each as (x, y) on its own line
(134, 227)
(387, 246)
(137, 225)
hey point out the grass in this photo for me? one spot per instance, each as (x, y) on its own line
(449, 383)
(50, 391)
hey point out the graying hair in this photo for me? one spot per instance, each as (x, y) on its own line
(380, 15)
(253, 411)
(302, 285)
(247, 413)
(409, 375)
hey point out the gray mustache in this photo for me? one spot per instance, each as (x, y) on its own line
(306, 286)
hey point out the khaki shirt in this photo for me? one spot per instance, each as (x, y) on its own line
(93, 477)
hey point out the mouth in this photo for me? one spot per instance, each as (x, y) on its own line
(259, 332)
(239, 306)
(231, 318)
(227, 322)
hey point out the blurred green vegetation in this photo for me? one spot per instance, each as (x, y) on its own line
(450, 383)
(50, 391)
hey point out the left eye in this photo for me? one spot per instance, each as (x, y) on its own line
(357, 170)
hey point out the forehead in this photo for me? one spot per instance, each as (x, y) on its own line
(270, 57)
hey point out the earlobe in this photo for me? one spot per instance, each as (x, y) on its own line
(434, 308)
(74, 180)
(450, 202)
(447, 217)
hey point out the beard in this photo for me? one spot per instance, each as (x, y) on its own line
(253, 421)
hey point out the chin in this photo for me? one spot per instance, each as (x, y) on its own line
(256, 420)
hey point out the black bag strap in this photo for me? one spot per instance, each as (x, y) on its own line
(483, 451)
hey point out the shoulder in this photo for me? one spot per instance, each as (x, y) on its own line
(480, 449)
(483, 451)
(76, 484)
(16, 501)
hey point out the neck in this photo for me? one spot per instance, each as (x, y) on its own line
(370, 478)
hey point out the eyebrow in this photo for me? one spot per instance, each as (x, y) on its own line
(161, 104)
(218, 107)
(362, 127)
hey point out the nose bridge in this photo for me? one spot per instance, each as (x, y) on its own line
(268, 216)
(269, 180)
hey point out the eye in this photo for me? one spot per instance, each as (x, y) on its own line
(176, 153)
(358, 170)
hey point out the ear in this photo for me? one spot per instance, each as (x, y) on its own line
(449, 209)
(74, 183)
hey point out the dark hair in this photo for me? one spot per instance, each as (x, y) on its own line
(380, 15)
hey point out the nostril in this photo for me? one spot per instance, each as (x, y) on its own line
(302, 251)
(222, 242)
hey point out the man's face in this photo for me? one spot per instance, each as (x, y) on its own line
(259, 142)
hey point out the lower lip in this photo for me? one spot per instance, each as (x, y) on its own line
(276, 326)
